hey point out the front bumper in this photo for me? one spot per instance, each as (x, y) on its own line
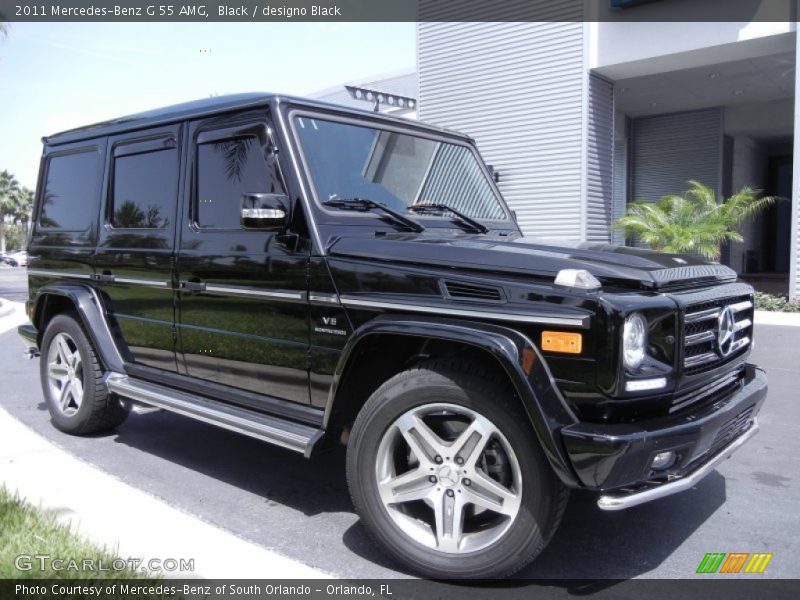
(616, 458)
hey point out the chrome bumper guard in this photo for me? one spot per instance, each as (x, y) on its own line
(623, 501)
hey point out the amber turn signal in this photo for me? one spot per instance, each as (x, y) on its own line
(559, 341)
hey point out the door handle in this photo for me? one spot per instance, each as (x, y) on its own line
(193, 286)
(104, 277)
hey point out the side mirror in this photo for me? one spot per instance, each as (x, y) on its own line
(265, 211)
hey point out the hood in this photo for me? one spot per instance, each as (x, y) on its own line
(612, 265)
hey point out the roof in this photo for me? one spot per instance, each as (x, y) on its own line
(211, 106)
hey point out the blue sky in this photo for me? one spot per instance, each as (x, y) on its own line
(58, 76)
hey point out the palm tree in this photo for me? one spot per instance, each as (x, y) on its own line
(23, 210)
(9, 198)
(695, 222)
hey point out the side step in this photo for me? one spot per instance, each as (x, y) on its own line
(288, 434)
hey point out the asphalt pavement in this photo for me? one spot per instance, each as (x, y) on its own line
(301, 508)
(13, 283)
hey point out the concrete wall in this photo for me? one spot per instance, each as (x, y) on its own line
(626, 50)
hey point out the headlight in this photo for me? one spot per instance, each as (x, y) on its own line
(634, 341)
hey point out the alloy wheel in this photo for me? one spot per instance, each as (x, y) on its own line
(65, 374)
(448, 478)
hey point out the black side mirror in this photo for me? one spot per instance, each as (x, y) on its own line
(265, 211)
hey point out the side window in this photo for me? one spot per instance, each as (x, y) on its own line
(71, 195)
(227, 169)
(145, 189)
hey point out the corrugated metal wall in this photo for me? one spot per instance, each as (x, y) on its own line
(517, 88)
(620, 187)
(794, 249)
(599, 159)
(670, 149)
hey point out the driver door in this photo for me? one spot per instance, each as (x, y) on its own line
(243, 309)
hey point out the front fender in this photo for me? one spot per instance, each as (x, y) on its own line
(91, 311)
(516, 353)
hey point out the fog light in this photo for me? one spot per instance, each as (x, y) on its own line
(663, 460)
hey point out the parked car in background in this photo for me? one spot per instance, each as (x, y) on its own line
(20, 258)
(6, 259)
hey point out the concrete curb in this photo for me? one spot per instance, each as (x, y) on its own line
(6, 308)
(125, 519)
(765, 317)
(12, 314)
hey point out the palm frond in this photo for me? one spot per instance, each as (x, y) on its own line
(694, 222)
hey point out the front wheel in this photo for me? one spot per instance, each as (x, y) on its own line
(446, 473)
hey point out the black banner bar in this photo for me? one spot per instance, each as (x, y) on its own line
(397, 10)
(702, 588)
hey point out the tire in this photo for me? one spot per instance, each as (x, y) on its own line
(503, 528)
(72, 381)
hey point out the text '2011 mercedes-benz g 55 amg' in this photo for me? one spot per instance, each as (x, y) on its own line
(308, 275)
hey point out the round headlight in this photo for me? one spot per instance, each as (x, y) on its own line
(634, 341)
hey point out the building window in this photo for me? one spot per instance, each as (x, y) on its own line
(145, 189)
(71, 191)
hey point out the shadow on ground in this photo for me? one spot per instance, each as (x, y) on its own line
(589, 544)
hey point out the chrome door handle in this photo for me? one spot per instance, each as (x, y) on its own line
(193, 286)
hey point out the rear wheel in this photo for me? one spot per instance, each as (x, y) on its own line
(72, 381)
(448, 476)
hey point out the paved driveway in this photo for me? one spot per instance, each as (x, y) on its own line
(301, 509)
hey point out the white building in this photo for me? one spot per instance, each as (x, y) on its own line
(580, 118)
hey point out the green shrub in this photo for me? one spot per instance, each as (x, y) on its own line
(775, 303)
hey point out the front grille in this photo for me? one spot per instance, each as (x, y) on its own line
(702, 350)
(717, 390)
(732, 429)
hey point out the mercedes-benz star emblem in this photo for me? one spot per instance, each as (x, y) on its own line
(725, 331)
(448, 476)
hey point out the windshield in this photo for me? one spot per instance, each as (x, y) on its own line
(398, 169)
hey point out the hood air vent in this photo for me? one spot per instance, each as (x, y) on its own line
(459, 290)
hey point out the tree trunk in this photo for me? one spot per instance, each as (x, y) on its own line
(2, 236)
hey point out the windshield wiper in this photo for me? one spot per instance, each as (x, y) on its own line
(365, 204)
(476, 226)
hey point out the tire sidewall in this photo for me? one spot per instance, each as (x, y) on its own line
(533, 524)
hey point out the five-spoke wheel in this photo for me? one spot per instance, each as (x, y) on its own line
(72, 380)
(456, 463)
(65, 373)
(447, 474)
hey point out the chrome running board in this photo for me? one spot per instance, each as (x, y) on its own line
(281, 432)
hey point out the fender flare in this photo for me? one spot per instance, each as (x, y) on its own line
(546, 408)
(91, 310)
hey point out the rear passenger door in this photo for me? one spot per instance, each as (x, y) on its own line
(243, 302)
(134, 259)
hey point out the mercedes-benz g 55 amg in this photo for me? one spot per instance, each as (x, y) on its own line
(308, 274)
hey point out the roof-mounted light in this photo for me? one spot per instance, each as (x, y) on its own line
(577, 278)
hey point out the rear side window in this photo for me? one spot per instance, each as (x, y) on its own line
(71, 195)
(145, 189)
(227, 169)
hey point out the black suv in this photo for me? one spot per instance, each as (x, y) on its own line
(311, 275)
